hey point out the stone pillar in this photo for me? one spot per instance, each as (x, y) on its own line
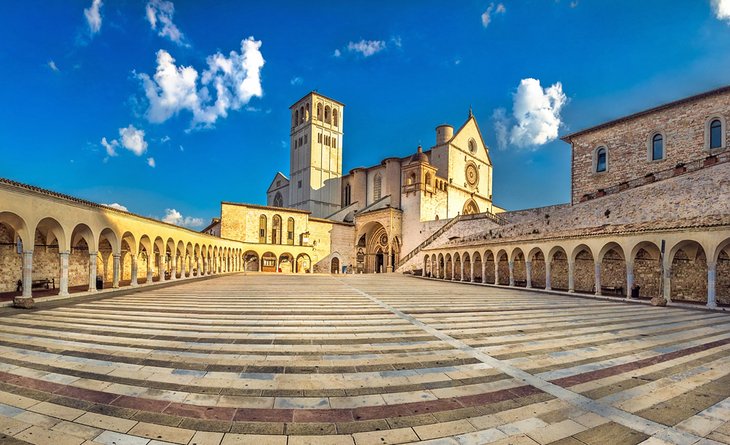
(461, 266)
(597, 273)
(528, 272)
(198, 267)
(571, 276)
(115, 270)
(471, 265)
(134, 270)
(511, 265)
(150, 267)
(667, 283)
(548, 276)
(92, 271)
(629, 278)
(205, 266)
(173, 267)
(28, 274)
(711, 284)
(63, 282)
(484, 270)
(496, 271)
(163, 267)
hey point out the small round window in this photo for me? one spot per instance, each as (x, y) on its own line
(472, 145)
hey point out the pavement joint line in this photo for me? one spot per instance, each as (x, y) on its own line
(619, 416)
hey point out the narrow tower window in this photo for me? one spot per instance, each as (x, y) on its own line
(262, 229)
(716, 134)
(601, 160)
(377, 186)
(657, 147)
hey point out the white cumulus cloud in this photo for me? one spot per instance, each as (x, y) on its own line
(130, 138)
(535, 115)
(366, 47)
(52, 66)
(337, 53)
(151, 162)
(93, 16)
(116, 206)
(160, 12)
(721, 9)
(172, 216)
(492, 9)
(233, 79)
(111, 147)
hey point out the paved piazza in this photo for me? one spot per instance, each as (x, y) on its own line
(366, 359)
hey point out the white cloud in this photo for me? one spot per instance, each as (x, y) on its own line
(397, 41)
(337, 53)
(116, 206)
(133, 140)
(722, 9)
(492, 9)
(52, 66)
(161, 12)
(151, 162)
(296, 80)
(172, 216)
(366, 47)
(165, 139)
(234, 79)
(536, 113)
(93, 16)
(111, 147)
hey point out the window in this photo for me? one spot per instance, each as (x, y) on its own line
(472, 145)
(377, 187)
(716, 134)
(262, 229)
(348, 195)
(601, 160)
(290, 231)
(301, 115)
(306, 113)
(296, 118)
(334, 142)
(276, 230)
(657, 147)
(335, 119)
(305, 138)
(319, 112)
(428, 178)
(299, 184)
(278, 200)
(319, 138)
(327, 113)
(411, 179)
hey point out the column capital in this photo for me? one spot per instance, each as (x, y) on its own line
(117, 255)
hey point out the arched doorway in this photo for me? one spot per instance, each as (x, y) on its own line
(268, 262)
(304, 263)
(689, 272)
(251, 261)
(378, 255)
(286, 263)
(335, 265)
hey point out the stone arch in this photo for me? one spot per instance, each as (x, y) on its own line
(470, 208)
(49, 241)
(251, 261)
(286, 263)
(304, 263)
(129, 261)
(427, 265)
(612, 276)
(441, 266)
(466, 265)
(519, 267)
(457, 267)
(448, 267)
(721, 259)
(377, 245)
(82, 260)
(477, 266)
(268, 262)
(335, 264)
(489, 267)
(502, 260)
(538, 272)
(647, 269)
(688, 277)
(559, 269)
(584, 271)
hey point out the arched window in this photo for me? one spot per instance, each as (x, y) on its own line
(348, 195)
(262, 229)
(296, 118)
(276, 230)
(601, 160)
(319, 112)
(301, 114)
(716, 134)
(377, 187)
(472, 145)
(657, 147)
(327, 114)
(335, 116)
(306, 113)
(411, 179)
(290, 231)
(428, 178)
(278, 200)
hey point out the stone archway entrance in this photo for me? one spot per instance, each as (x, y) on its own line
(335, 265)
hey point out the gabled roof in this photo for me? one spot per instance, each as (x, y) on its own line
(278, 175)
(479, 132)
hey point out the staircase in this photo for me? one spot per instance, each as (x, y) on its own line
(491, 216)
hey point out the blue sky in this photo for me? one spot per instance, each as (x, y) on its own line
(78, 72)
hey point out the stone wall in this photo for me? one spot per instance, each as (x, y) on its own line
(683, 126)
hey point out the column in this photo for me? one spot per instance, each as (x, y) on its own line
(471, 265)
(484, 270)
(597, 273)
(548, 276)
(115, 270)
(528, 272)
(163, 267)
(198, 267)
(387, 260)
(173, 267)
(92, 271)
(461, 266)
(63, 283)
(711, 284)
(511, 265)
(629, 278)
(205, 266)
(150, 267)
(571, 277)
(28, 274)
(134, 270)
(667, 283)
(496, 271)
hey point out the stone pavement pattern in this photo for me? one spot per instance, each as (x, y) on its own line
(271, 359)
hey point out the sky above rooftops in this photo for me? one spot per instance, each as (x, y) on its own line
(167, 108)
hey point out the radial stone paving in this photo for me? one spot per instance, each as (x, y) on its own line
(361, 360)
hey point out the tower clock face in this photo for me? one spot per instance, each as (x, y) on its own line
(472, 175)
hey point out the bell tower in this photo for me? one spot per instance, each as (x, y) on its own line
(315, 158)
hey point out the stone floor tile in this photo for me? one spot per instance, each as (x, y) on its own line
(42, 436)
(163, 433)
(106, 422)
(480, 437)
(444, 429)
(206, 438)
(11, 426)
(719, 437)
(401, 435)
(247, 439)
(53, 410)
(78, 430)
(556, 431)
(522, 426)
(699, 425)
(321, 440)
(37, 419)
(610, 433)
(115, 438)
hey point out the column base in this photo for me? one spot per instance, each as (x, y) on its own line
(24, 302)
(63, 294)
